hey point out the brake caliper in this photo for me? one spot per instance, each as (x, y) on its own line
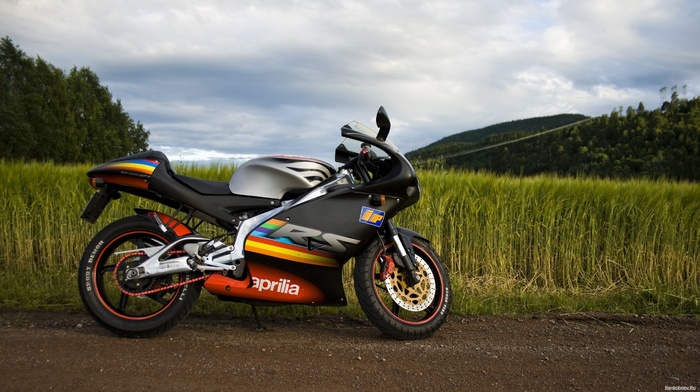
(387, 262)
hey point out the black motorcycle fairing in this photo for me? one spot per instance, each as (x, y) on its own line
(333, 226)
(396, 176)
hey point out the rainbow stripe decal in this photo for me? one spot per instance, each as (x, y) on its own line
(137, 167)
(259, 242)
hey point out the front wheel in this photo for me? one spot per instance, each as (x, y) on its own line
(133, 308)
(401, 311)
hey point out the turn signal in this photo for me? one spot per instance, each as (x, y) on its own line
(378, 200)
(96, 183)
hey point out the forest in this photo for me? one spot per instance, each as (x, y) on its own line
(636, 143)
(47, 114)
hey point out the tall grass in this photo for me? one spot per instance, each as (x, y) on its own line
(635, 243)
(40, 231)
(511, 244)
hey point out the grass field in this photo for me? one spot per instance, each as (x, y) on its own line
(512, 244)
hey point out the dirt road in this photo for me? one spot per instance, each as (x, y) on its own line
(69, 352)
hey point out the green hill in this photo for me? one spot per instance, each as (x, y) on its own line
(528, 125)
(469, 140)
(661, 143)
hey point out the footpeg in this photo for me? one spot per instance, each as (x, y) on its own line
(216, 256)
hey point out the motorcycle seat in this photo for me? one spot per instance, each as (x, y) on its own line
(204, 187)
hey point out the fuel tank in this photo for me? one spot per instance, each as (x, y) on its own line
(275, 176)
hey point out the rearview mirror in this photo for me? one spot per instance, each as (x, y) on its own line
(383, 123)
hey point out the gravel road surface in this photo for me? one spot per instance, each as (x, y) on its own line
(583, 351)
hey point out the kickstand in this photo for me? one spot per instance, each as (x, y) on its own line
(257, 319)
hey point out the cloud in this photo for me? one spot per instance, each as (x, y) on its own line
(260, 77)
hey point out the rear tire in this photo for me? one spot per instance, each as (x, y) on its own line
(403, 312)
(106, 294)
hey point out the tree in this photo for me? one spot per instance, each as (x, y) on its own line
(48, 115)
(640, 108)
(15, 66)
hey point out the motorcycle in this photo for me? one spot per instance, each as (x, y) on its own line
(286, 227)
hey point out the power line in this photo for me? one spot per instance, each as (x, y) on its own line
(459, 154)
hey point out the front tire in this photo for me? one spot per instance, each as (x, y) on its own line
(400, 311)
(132, 308)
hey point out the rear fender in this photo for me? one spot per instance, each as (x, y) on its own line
(165, 222)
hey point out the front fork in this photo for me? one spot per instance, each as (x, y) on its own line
(405, 251)
(406, 256)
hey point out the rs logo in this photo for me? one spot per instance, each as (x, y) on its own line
(305, 236)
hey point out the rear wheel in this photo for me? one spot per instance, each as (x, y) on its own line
(133, 308)
(401, 311)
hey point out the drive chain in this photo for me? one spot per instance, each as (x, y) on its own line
(152, 291)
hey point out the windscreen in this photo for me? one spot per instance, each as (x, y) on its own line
(353, 147)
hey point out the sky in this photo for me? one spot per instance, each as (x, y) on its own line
(233, 79)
